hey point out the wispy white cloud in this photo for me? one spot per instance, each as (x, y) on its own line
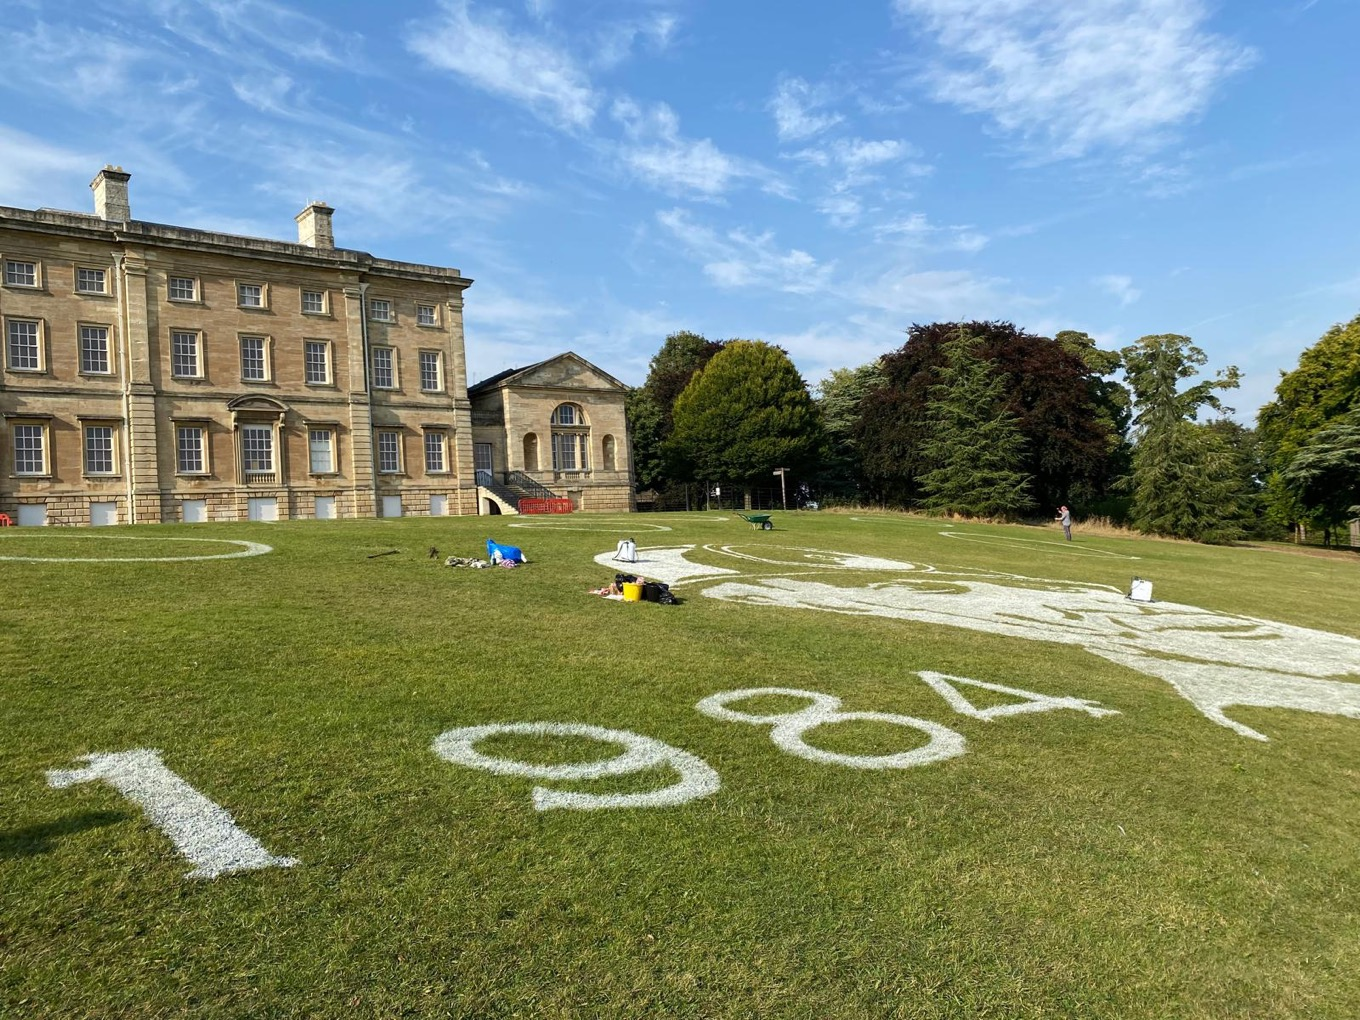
(613, 42)
(1120, 287)
(794, 105)
(261, 31)
(827, 346)
(738, 259)
(1082, 74)
(854, 163)
(656, 152)
(916, 231)
(31, 167)
(947, 294)
(524, 68)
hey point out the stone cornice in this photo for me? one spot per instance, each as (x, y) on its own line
(141, 232)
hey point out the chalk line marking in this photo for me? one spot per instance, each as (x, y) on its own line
(944, 685)
(663, 563)
(623, 527)
(1213, 660)
(816, 558)
(697, 778)
(247, 549)
(203, 832)
(824, 710)
(1074, 548)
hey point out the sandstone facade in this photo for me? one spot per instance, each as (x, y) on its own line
(560, 422)
(156, 373)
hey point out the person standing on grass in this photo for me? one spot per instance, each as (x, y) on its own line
(1065, 515)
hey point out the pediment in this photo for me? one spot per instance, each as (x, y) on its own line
(257, 402)
(566, 371)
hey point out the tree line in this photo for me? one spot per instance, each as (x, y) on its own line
(983, 419)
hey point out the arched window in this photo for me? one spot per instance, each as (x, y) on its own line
(607, 448)
(530, 452)
(570, 439)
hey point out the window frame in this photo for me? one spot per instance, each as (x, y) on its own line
(390, 310)
(39, 344)
(263, 288)
(44, 437)
(333, 451)
(201, 427)
(266, 428)
(195, 287)
(201, 369)
(327, 362)
(265, 357)
(441, 437)
(107, 370)
(103, 290)
(35, 265)
(433, 323)
(379, 453)
(393, 378)
(325, 296)
(114, 467)
(438, 357)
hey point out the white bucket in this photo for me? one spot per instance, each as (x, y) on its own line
(1140, 590)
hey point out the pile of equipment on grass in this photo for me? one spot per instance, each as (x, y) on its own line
(497, 556)
(629, 588)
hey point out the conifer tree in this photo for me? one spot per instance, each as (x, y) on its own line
(744, 414)
(1186, 482)
(974, 444)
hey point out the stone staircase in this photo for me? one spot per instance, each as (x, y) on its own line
(516, 487)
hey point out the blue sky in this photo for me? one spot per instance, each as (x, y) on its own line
(819, 176)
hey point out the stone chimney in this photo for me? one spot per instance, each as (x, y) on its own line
(110, 187)
(314, 226)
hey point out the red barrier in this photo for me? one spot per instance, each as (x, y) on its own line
(545, 506)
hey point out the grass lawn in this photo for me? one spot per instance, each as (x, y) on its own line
(1053, 863)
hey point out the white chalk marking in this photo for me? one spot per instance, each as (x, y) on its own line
(203, 833)
(943, 684)
(1214, 660)
(789, 728)
(1072, 548)
(247, 549)
(625, 527)
(666, 564)
(697, 778)
(817, 558)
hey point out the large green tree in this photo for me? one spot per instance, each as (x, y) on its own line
(975, 444)
(1325, 472)
(839, 398)
(744, 414)
(1068, 442)
(651, 405)
(1186, 481)
(1324, 387)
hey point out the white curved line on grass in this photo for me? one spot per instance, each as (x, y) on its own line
(831, 560)
(697, 778)
(1214, 660)
(914, 522)
(248, 549)
(620, 527)
(1065, 546)
(790, 728)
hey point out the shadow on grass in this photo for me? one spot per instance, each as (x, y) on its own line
(37, 839)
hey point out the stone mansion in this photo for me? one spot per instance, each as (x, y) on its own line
(156, 373)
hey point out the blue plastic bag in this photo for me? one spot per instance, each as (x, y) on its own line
(496, 552)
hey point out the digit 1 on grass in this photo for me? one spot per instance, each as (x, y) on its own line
(202, 831)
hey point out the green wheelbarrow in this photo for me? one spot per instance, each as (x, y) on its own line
(761, 522)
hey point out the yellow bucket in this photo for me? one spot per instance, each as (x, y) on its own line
(632, 591)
